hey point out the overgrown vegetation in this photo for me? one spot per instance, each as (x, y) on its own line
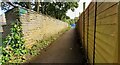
(71, 21)
(13, 48)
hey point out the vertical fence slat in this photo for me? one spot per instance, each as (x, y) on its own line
(118, 33)
(87, 31)
(83, 25)
(94, 33)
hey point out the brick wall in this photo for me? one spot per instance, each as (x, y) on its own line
(35, 26)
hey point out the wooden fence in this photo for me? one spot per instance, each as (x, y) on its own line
(99, 28)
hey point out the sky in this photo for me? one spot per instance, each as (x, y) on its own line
(78, 10)
(0, 9)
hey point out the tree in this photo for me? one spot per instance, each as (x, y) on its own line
(54, 9)
(37, 8)
(58, 9)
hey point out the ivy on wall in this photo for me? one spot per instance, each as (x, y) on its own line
(13, 48)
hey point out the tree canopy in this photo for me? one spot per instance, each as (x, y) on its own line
(54, 9)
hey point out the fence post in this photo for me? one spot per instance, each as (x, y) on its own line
(95, 8)
(83, 25)
(119, 33)
(87, 31)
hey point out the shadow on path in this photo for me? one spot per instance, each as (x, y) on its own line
(66, 49)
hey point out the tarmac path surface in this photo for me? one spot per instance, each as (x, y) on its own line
(66, 49)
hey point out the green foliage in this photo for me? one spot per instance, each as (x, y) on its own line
(69, 21)
(58, 9)
(13, 48)
(36, 48)
(54, 9)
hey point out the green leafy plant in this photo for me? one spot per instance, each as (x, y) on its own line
(13, 48)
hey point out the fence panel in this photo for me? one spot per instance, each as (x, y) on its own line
(91, 32)
(102, 32)
(106, 33)
(86, 29)
(81, 27)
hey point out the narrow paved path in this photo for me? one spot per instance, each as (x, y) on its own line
(65, 49)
